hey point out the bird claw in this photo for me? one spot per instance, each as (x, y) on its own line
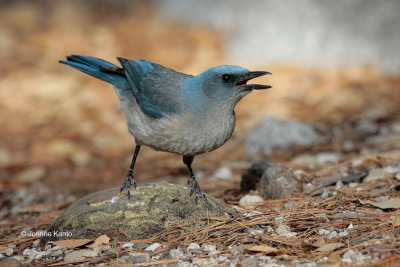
(195, 189)
(128, 182)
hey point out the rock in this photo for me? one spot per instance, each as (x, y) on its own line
(176, 253)
(128, 246)
(273, 136)
(291, 205)
(193, 246)
(9, 252)
(284, 230)
(253, 175)
(152, 208)
(10, 262)
(278, 182)
(249, 262)
(34, 254)
(209, 249)
(354, 258)
(77, 255)
(153, 247)
(323, 232)
(135, 258)
(250, 201)
(223, 173)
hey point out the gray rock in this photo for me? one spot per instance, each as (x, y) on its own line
(176, 253)
(273, 136)
(249, 262)
(253, 175)
(278, 182)
(9, 252)
(136, 258)
(152, 208)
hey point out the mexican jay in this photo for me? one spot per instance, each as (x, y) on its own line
(172, 111)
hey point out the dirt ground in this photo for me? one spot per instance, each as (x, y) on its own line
(62, 137)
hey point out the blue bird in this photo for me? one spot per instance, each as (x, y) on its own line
(172, 111)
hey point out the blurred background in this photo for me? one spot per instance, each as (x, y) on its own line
(335, 66)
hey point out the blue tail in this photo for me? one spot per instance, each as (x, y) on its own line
(100, 69)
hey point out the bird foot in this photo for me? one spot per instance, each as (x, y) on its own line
(129, 181)
(195, 189)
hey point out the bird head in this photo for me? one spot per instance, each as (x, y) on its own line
(229, 83)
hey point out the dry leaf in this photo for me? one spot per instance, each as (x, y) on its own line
(329, 247)
(318, 242)
(395, 220)
(393, 203)
(334, 259)
(72, 243)
(388, 261)
(101, 240)
(264, 249)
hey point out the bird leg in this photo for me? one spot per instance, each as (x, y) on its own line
(192, 183)
(129, 179)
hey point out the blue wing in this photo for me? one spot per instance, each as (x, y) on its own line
(158, 90)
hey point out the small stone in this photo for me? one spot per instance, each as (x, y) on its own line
(176, 253)
(153, 247)
(339, 185)
(36, 243)
(224, 173)
(332, 235)
(284, 230)
(128, 246)
(209, 249)
(34, 254)
(325, 193)
(308, 186)
(200, 262)
(391, 169)
(350, 226)
(323, 232)
(290, 205)
(136, 258)
(279, 182)
(9, 252)
(77, 255)
(184, 264)
(250, 201)
(344, 233)
(249, 262)
(352, 185)
(56, 251)
(31, 174)
(354, 258)
(193, 246)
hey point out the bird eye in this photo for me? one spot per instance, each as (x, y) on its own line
(226, 77)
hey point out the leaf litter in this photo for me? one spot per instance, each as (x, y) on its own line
(72, 141)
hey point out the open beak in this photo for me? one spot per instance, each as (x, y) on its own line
(251, 75)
